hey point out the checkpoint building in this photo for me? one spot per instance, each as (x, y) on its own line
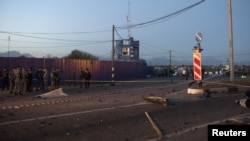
(127, 50)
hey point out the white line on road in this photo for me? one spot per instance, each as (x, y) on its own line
(75, 113)
(198, 127)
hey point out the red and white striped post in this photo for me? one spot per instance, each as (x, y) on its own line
(197, 59)
(197, 66)
(197, 63)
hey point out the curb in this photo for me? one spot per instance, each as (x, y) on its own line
(216, 90)
(195, 91)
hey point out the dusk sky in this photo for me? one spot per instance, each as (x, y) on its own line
(56, 27)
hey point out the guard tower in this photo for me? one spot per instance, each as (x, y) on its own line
(127, 49)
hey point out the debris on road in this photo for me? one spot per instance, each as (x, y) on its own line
(55, 93)
(155, 127)
(243, 103)
(156, 99)
(245, 120)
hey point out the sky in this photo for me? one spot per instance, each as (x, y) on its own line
(56, 27)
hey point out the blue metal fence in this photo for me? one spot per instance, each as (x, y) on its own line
(101, 70)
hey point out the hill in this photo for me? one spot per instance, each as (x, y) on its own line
(15, 54)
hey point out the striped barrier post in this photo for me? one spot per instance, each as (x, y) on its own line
(197, 66)
(197, 57)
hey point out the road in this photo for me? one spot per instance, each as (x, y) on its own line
(107, 113)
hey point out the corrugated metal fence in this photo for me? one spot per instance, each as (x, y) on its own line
(101, 70)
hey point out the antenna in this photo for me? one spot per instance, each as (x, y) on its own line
(128, 19)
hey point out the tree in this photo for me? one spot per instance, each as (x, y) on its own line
(22, 56)
(77, 54)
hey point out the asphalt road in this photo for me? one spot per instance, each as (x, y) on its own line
(107, 113)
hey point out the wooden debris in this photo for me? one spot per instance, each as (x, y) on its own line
(240, 121)
(156, 99)
(155, 127)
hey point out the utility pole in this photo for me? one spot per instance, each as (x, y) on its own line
(9, 47)
(113, 55)
(44, 62)
(8, 52)
(128, 20)
(170, 63)
(230, 28)
(170, 59)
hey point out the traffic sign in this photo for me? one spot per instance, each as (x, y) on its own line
(198, 36)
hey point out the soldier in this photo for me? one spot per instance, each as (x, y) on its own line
(23, 77)
(18, 78)
(12, 79)
(39, 76)
(5, 79)
(29, 80)
(58, 78)
(46, 79)
(53, 79)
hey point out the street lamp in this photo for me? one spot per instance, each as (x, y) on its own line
(230, 28)
(8, 51)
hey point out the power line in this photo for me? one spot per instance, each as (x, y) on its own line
(143, 24)
(82, 32)
(157, 20)
(44, 38)
(87, 41)
(59, 46)
(118, 34)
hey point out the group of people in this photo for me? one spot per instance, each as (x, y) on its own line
(19, 80)
(86, 76)
(46, 79)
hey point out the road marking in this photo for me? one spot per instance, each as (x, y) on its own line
(74, 113)
(92, 97)
(199, 126)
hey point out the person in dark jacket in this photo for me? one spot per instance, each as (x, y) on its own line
(29, 87)
(87, 78)
(5, 79)
(81, 77)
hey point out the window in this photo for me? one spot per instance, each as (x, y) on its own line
(125, 51)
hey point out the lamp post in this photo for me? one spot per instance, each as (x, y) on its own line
(8, 52)
(230, 28)
(113, 56)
